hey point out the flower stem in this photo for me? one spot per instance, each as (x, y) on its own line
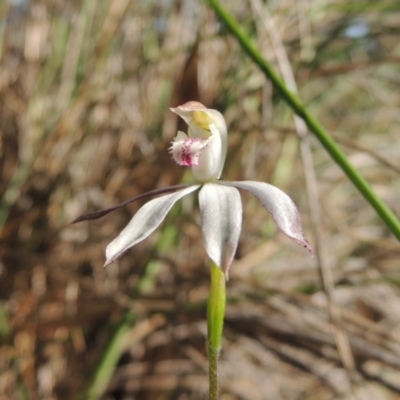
(386, 215)
(215, 318)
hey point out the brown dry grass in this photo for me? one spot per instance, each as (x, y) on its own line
(85, 88)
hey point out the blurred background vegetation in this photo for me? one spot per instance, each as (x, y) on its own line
(85, 88)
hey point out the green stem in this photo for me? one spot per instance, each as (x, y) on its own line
(215, 318)
(294, 102)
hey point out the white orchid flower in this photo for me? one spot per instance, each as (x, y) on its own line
(204, 149)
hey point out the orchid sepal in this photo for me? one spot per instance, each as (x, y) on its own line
(144, 222)
(221, 221)
(279, 205)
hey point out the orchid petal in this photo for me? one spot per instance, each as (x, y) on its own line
(221, 214)
(211, 159)
(280, 205)
(144, 222)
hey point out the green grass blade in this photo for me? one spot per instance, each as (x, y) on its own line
(110, 358)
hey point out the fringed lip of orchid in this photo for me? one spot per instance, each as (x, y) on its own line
(204, 149)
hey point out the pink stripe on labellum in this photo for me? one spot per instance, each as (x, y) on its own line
(186, 151)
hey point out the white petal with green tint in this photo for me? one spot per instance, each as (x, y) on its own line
(280, 206)
(221, 217)
(144, 222)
